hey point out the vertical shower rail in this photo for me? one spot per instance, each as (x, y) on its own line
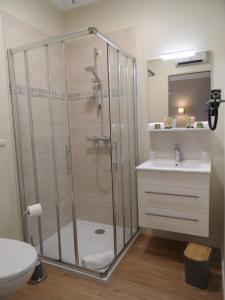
(53, 150)
(120, 141)
(113, 148)
(75, 237)
(63, 39)
(34, 157)
(18, 146)
(129, 151)
(122, 90)
(136, 122)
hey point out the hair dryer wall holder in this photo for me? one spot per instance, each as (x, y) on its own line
(213, 107)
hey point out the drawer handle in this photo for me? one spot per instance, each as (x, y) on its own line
(172, 194)
(172, 217)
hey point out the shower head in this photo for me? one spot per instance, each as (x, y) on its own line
(92, 69)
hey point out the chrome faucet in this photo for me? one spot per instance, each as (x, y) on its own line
(177, 154)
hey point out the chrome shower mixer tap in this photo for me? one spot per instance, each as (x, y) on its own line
(177, 154)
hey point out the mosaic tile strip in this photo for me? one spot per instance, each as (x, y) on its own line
(74, 96)
(20, 90)
(86, 96)
(39, 93)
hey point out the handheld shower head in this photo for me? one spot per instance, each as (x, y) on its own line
(90, 69)
(93, 71)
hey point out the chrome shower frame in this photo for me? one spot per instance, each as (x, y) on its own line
(102, 276)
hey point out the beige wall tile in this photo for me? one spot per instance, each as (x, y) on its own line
(40, 112)
(94, 187)
(23, 112)
(49, 224)
(85, 113)
(37, 72)
(61, 135)
(59, 113)
(28, 175)
(44, 169)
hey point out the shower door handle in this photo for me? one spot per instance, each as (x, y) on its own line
(114, 156)
(68, 159)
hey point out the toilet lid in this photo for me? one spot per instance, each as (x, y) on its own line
(15, 258)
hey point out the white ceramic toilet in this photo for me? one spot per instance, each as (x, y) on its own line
(17, 263)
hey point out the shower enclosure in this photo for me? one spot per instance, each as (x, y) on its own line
(74, 108)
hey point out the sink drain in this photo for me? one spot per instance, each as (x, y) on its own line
(99, 231)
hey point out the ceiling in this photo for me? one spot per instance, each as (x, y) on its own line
(71, 4)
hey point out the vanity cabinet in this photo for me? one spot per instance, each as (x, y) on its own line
(174, 201)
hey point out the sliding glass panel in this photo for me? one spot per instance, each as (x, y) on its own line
(42, 148)
(90, 134)
(132, 143)
(24, 145)
(125, 143)
(116, 146)
(62, 148)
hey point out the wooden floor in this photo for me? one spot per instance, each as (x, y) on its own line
(152, 270)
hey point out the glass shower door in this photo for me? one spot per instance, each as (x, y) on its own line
(44, 144)
(123, 145)
(115, 132)
(89, 125)
(61, 136)
(75, 138)
(131, 109)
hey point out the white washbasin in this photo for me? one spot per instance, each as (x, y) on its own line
(200, 166)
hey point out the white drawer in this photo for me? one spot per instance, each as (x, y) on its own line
(195, 200)
(176, 221)
(174, 179)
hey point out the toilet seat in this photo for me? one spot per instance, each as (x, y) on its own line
(16, 259)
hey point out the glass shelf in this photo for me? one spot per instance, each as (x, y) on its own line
(178, 129)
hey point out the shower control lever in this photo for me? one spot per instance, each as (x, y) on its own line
(96, 139)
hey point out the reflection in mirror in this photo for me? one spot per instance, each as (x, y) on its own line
(179, 88)
(187, 96)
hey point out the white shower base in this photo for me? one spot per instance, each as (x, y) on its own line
(89, 242)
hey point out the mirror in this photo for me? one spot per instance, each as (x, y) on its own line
(179, 88)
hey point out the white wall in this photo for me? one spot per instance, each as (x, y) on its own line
(166, 26)
(50, 20)
(38, 13)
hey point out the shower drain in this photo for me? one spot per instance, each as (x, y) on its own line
(99, 231)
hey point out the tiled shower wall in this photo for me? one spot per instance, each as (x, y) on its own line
(92, 182)
(92, 174)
